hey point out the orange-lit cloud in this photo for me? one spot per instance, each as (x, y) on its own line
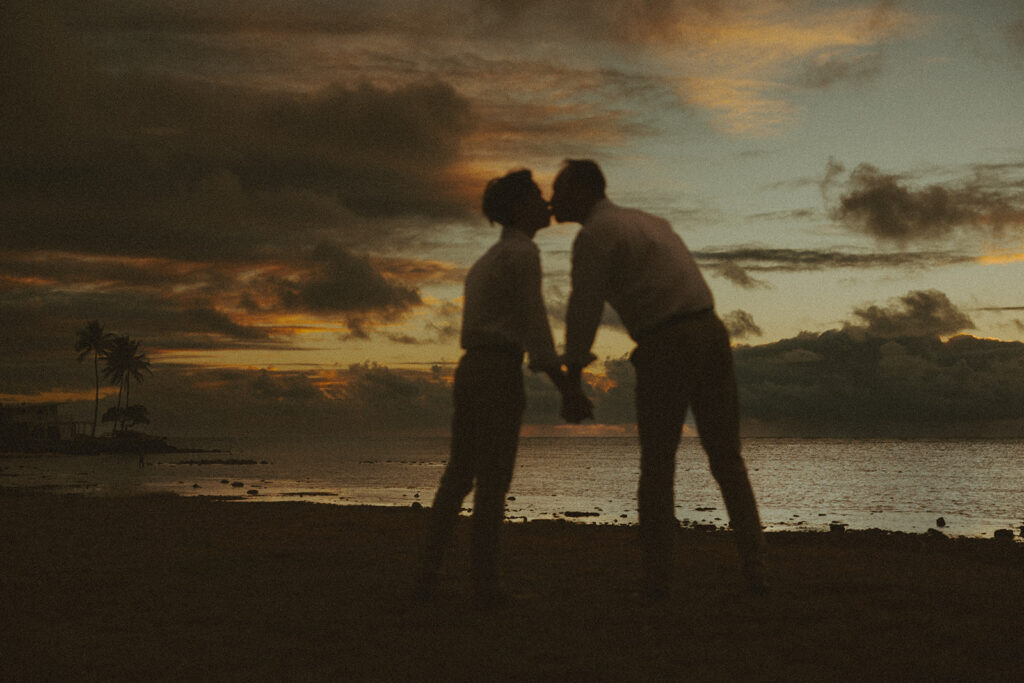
(997, 259)
(751, 58)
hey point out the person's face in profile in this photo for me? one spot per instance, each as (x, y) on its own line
(565, 200)
(536, 214)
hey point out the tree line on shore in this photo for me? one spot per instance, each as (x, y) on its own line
(123, 361)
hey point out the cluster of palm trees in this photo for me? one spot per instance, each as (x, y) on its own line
(123, 361)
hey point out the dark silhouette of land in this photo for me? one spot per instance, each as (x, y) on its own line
(166, 588)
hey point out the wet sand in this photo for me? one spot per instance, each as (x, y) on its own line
(166, 588)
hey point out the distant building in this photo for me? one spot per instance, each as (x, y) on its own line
(28, 423)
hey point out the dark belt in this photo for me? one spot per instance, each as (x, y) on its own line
(672, 321)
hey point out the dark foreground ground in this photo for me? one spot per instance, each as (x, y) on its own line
(166, 588)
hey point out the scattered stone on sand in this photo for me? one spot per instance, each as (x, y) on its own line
(837, 527)
(237, 484)
(224, 481)
(416, 505)
(577, 513)
(935, 533)
(940, 522)
(253, 492)
(1003, 534)
(511, 498)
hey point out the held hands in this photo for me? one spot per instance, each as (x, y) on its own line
(575, 406)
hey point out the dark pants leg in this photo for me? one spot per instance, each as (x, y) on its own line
(716, 411)
(489, 402)
(690, 365)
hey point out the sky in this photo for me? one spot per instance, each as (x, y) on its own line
(280, 200)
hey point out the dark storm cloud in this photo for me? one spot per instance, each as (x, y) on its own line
(362, 399)
(846, 383)
(824, 71)
(736, 274)
(340, 281)
(916, 314)
(735, 262)
(886, 207)
(886, 373)
(741, 325)
(148, 164)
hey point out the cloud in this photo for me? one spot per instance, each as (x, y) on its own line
(737, 275)
(916, 314)
(886, 207)
(735, 263)
(842, 383)
(340, 281)
(825, 70)
(1015, 36)
(138, 162)
(885, 373)
(741, 325)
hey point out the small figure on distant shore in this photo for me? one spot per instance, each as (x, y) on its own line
(503, 316)
(640, 266)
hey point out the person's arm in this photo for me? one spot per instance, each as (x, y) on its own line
(576, 407)
(536, 333)
(534, 329)
(590, 269)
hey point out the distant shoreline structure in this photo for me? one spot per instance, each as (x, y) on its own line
(38, 429)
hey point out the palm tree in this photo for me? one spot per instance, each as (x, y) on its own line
(125, 361)
(93, 340)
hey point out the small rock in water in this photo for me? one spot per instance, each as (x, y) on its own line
(940, 522)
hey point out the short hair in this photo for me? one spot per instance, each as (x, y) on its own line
(585, 172)
(503, 196)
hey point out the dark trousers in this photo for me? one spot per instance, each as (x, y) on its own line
(690, 365)
(489, 403)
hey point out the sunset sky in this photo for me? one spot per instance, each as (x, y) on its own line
(279, 199)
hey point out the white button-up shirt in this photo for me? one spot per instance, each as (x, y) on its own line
(503, 302)
(639, 265)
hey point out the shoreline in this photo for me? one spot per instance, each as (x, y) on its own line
(163, 587)
(240, 493)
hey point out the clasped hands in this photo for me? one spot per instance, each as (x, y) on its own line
(576, 407)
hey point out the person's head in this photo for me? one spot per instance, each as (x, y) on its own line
(578, 186)
(514, 201)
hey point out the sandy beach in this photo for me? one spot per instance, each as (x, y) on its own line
(166, 588)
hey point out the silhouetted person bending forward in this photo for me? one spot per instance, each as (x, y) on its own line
(503, 316)
(637, 263)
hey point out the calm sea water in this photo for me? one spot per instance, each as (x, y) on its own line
(977, 486)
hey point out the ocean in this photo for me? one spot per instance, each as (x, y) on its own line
(975, 486)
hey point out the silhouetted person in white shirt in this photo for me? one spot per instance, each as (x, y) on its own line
(637, 263)
(503, 316)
